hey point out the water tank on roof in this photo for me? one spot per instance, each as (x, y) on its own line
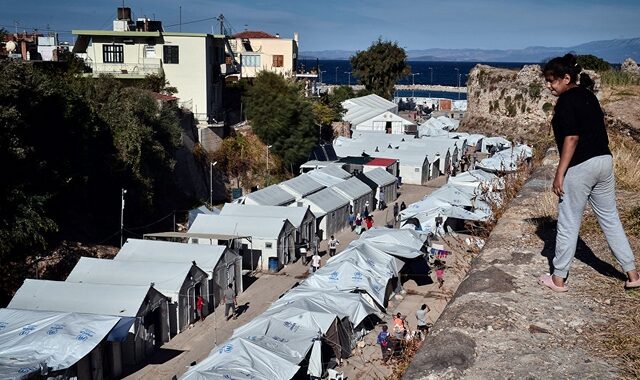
(124, 13)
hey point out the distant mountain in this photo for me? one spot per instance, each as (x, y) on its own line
(613, 51)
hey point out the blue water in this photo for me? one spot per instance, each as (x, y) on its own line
(437, 72)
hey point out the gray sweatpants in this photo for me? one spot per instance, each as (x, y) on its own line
(591, 181)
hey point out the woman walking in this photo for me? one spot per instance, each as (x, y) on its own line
(585, 171)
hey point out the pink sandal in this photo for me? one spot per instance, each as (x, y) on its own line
(547, 281)
(632, 284)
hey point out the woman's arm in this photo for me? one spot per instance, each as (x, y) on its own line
(568, 149)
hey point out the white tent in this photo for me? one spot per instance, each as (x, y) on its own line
(174, 280)
(31, 339)
(268, 237)
(478, 178)
(269, 196)
(393, 240)
(348, 276)
(134, 303)
(201, 210)
(222, 265)
(385, 122)
(241, 358)
(341, 304)
(300, 217)
(376, 260)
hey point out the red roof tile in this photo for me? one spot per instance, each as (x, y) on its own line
(253, 34)
(381, 162)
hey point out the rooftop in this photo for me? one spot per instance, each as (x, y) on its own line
(253, 34)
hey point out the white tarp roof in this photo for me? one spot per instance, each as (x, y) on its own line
(335, 170)
(315, 320)
(205, 256)
(352, 188)
(395, 242)
(263, 228)
(385, 265)
(454, 195)
(449, 123)
(380, 176)
(301, 185)
(63, 296)
(429, 130)
(326, 200)
(341, 304)
(348, 276)
(506, 160)
(167, 277)
(271, 196)
(201, 210)
(298, 338)
(59, 340)
(386, 117)
(477, 178)
(241, 358)
(324, 178)
(295, 215)
(371, 101)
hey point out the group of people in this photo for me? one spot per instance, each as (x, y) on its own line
(392, 342)
(230, 302)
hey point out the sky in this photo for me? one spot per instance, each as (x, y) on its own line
(355, 24)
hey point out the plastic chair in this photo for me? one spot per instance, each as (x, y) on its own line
(335, 375)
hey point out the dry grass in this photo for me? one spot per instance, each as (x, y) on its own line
(547, 205)
(626, 154)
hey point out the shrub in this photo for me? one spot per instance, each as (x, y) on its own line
(547, 107)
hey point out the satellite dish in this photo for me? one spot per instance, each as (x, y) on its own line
(10, 46)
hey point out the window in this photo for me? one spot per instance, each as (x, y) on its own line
(278, 60)
(113, 53)
(251, 60)
(149, 51)
(417, 170)
(268, 245)
(171, 54)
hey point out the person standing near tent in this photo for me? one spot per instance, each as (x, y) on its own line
(381, 205)
(399, 328)
(333, 244)
(421, 317)
(230, 302)
(366, 209)
(403, 206)
(585, 172)
(351, 218)
(440, 266)
(199, 305)
(315, 262)
(368, 222)
(383, 341)
(396, 211)
(358, 228)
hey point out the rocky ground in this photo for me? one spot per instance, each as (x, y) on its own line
(502, 324)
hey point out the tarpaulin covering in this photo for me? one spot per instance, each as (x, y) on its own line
(31, 339)
(240, 358)
(397, 242)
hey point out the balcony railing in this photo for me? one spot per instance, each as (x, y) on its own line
(127, 69)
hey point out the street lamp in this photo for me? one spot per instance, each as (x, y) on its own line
(430, 80)
(458, 73)
(323, 71)
(211, 165)
(268, 147)
(349, 72)
(123, 192)
(413, 84)
(337, 74)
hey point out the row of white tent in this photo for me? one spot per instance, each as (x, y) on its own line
(125, 307)
(331, 309)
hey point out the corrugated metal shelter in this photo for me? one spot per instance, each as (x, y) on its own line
(177, 281)
(357, 192)
(269, 196)
(331, 210)
(324, 178)
(301, 186)
(381, 181)
(223, 266)
(335, 170)
(262, 238)
(146, 306)
(300, 217)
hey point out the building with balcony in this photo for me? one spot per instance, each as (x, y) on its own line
(258, 51)
(190, 62)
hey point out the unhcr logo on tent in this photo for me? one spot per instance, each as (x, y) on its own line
(227, 348)
(334, 276)
(371, 263)
(357, 277)
(85, 334)
(53, 330)
(26, 330)
(291, 326)
(3, 325)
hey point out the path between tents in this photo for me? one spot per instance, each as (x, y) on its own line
(195, 343)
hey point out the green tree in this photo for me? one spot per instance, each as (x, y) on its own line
(380, 67)
(591, 62)
(281, 116)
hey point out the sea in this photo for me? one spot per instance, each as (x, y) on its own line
(426, 72)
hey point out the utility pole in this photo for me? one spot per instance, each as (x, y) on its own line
(349, 72)
(123, 192)
(180, 22)
(221, 19)
(337, 74)
(211, 165)
(458, 72)
(430, 80)
(413, 84)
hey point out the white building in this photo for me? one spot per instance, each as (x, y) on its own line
(259, 51)
(191, 62)
(267, 243)
(175, 280)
